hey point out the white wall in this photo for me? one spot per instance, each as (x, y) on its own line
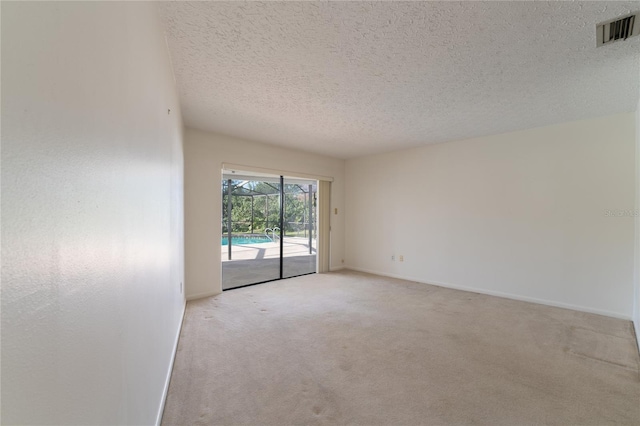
(636, 299)
(519, 214)
(92, 218)
(204, 155)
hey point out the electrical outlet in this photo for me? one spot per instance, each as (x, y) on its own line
(393, 257)
(401, 258)
(181, 287)
(342, 260)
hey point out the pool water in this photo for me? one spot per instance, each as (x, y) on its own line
(245, 240)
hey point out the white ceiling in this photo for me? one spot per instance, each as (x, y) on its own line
(347, 79)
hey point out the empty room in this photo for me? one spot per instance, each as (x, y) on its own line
(320, 213)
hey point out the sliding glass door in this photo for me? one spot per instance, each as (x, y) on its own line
(268, 228)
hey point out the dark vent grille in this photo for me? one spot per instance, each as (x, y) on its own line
(620, 29)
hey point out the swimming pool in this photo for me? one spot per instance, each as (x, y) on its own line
(245, 240)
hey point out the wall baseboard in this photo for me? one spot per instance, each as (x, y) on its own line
(501, 294)
(201, 295)
(636, 327)
(173, 358)
(337, 268)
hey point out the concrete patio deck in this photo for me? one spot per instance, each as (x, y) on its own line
(253, 263)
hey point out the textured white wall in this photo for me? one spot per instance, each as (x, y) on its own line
(519, 214)
(92, 231)
(636, 299)
(204, 155)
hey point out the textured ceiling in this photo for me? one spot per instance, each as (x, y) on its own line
(347, 79)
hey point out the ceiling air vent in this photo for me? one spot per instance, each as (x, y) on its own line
(616, 30)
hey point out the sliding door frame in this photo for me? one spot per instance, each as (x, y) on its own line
(323, 215)
(282, 226)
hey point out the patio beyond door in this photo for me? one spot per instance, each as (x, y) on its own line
(268, 228)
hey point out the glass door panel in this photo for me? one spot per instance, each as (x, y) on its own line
(299, 227)
(250, 230)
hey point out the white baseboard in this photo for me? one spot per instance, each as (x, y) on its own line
(502, 294)
(173, 358)
(337, 268)
(201, 295)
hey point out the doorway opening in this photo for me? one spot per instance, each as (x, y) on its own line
(269, 228)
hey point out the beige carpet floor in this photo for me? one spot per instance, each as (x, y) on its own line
(351, 348)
